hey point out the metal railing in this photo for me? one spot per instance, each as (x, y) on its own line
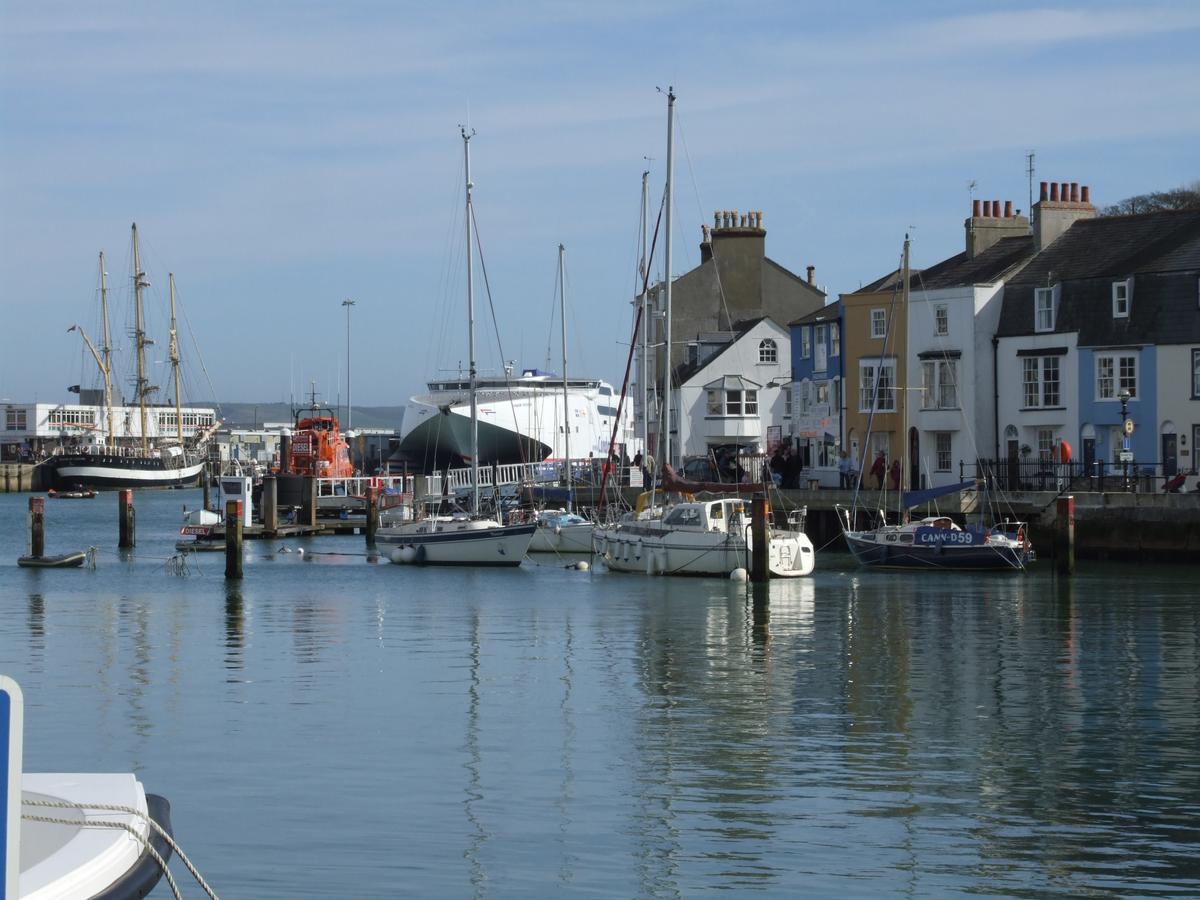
(1044, 475)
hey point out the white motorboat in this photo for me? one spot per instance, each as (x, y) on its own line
(709, 537)
(559, 531)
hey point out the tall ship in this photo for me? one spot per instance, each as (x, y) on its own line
(520, 421)
(140, 445)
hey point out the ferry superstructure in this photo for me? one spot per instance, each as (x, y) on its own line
(520, 420)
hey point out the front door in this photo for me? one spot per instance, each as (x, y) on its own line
(1169, 462)
(1014, 466)
(914, 460)
(1089, 456)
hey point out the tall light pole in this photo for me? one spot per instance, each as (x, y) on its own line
(1126, 431)
(349, 396)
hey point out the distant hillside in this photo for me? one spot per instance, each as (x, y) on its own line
(247, 415)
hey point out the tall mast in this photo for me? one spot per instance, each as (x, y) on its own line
(643, 299)
(666, 435)
(173, 353)
(473, 373)
(139, 334)
(904, 462)
(106, 350)
(562, 299)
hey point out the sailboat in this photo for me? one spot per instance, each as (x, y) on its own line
(433, 535)
(932, 542)
(142, 461)
(707, 537)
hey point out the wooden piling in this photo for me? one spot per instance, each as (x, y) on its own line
(126, 520)
(37, 525)
(759, 552)
(285, 454)
(308, 502)
(372, 514)
(1064, 535)
(233, 539)
(270, 506)
(206, 483)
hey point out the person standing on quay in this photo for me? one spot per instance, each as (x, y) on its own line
(879, 469)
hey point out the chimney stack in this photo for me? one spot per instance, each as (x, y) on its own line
(1066, 205)
(990, 222)
(811, 269)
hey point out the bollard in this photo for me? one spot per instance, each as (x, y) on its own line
(126, 520)
(270, 506)
(37, 526)
(1064, 535)
(759, 552)
(372, 514)
(233, 538)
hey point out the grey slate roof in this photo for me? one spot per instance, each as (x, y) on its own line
(687, 370)
(1005, 256)
(830, 312)
(1160, 251)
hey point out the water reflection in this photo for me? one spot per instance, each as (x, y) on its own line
(477, 835)
(235, 628)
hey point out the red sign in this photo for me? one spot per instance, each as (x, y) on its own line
(201, 530)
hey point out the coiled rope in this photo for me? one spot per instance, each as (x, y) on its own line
(124, 826)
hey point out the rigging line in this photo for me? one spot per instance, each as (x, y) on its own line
(633, 346)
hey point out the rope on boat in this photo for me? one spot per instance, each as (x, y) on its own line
(124, 826)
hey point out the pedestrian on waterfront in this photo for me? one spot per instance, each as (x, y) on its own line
(777, 464)
(791, 470)
(878, 469)
(844, 471)
(895, 473)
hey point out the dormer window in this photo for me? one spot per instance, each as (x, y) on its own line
(1045, 308)
(767, 351)
(1120, 297)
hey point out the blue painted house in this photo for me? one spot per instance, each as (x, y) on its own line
(817, 378)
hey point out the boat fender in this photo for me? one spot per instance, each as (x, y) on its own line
(738, 574)
(406, 554)
(419, 558)
(582, 565)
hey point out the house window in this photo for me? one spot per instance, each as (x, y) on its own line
(939, 384)
(1115, 372)
(736, 403)
(751, 403)
(1041, 381)
(835, 340)
(942, 462)
(822, 393)
(14, 420)
(941, 320)
(715, 407)
(1120, 294)
(1195, 375)
(805, 342)
(878, 323)
(787, 402)
(1045, 442)
(767, 352)
(66, 417)
(877, 385)
(819, 336)
(1044, 308)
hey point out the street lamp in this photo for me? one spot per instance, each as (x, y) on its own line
(1126, 431)
(349, 406)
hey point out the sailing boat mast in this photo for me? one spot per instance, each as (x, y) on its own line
(139, 334)
(666, 400)
(643, 299)
(106, 351)
(173, 352)
(473, 374)
(904, 462)
(562, 297)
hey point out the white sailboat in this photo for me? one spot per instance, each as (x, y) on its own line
(433, 535)
(710, 537)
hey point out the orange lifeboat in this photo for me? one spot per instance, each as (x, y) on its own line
(318, 449)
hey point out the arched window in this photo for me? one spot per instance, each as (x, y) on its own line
(767, 352)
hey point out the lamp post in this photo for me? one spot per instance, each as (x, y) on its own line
(1126, 431)
(349, 406)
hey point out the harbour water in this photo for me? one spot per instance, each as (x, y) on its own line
(336, 727)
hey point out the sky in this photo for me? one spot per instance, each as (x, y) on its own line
(280, 158)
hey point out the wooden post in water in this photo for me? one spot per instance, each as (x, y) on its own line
(37, 526)
(308, 502)
(270, 506)
(233, 538)
(206, 483)
(285, 453)
(1064, 535)
(126, 520)
(372, 513)
(759, 551)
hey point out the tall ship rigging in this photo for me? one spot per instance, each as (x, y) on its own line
(140, 445)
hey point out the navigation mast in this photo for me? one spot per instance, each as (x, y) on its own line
(140, 340)
(473, 372)
(562, 297)
(173, 353)
(666, 400)
(106, 351)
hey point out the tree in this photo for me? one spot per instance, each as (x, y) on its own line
(1186, 197)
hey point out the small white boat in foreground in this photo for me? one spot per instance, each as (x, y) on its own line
(559, 531)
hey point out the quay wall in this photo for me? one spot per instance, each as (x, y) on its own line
(17, 477)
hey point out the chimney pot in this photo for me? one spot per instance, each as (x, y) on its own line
(1085, 196)
(1008, 209)
(1064, 192)
(974, 209)
(811, 269)
(1054, 192)
(995, 209)
(1074, 191)
(1045, 191)
(717, 217)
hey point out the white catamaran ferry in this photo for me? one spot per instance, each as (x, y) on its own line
(520, 420)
